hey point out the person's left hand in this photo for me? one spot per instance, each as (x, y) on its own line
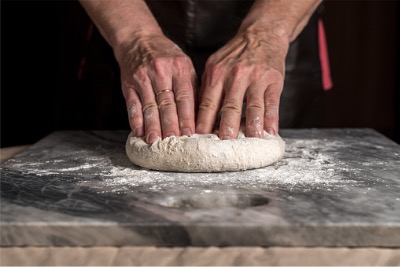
(249, 67)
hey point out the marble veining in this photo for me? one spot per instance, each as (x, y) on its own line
(334, 187)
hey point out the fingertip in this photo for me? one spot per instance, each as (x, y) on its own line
(199, 128)
(271, 122)
(271, 131)
(255, 133)
(186, 131)
(227, 133)
(138, 131)
(152, 137)
(169, 135)
(202, 128)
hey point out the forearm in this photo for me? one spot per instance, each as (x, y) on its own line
(121, 21)
(283, 18)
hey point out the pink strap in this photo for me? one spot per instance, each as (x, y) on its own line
(324, 57)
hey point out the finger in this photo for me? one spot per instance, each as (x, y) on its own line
(168, 113)
(135, 114)
(185, 103)
(163, 90)
(151, 118)
(211, 96)
(231, 110)
(195, 86)
(271, 101)
(255, 110)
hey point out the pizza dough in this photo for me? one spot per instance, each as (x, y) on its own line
(205, 153)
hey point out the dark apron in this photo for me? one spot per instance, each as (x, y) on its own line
(202, 27)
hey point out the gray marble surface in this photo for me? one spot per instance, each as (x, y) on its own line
(334, 187)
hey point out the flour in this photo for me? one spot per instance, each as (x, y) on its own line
(309, 164)
(303, 164)
(205, 153)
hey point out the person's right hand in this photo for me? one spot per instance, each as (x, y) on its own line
(158, 82)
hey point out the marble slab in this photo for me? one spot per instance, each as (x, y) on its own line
(334, 187)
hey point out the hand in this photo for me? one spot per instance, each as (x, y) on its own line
(158, 82)
(251, 66)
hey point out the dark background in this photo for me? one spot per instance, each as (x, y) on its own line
(43, 42)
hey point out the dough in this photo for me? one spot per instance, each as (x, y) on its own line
(205, 153)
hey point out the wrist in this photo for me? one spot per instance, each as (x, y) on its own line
(280, 18)
(275, 29)
(133, 40)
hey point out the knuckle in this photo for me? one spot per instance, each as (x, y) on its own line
(255, 105)
(181, 61)
(149, 110)
(207, 104)
(183, 70)
(160, 64)
(213, 74)
(272, 102)
(140, 74)
(166, 103)
(231, 106)
(275, 75)
(128, 91)
(214, 69)
(254, 95)
(133, 102)
(179, 64)
(240, 69)
(259, 73)
(184, 97)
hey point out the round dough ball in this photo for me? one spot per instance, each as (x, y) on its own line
(205, 153)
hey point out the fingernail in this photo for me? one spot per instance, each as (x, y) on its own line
(186, 131)
(138, 131)
(151, 137)
(226, 137)
(170, 134)
(271, 130)
(256, 134)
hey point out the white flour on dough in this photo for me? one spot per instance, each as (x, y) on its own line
(205, 153)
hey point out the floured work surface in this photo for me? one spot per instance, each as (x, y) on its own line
(335, 187)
